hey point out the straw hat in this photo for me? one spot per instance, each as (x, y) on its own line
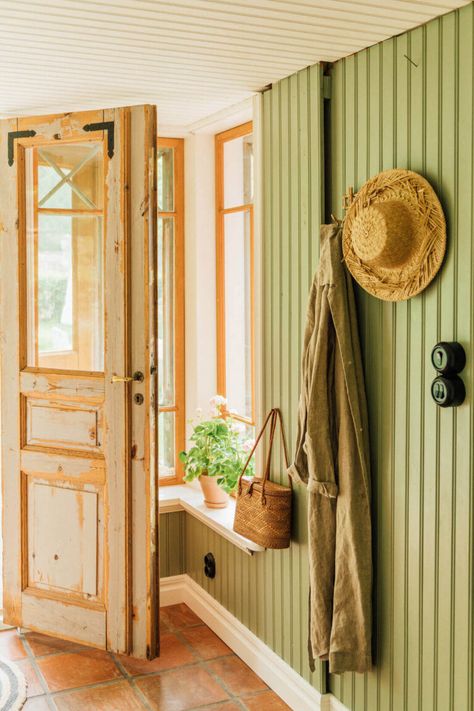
(394, 236)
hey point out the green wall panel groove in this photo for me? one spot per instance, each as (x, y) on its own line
(172, 544)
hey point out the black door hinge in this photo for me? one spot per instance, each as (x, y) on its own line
(12, 136)
(104, 126)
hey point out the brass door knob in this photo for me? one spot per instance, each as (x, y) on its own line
(137, 377)
(121, 379)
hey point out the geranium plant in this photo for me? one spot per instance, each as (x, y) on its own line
(218, 450)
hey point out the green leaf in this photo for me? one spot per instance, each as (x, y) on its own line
(217, 450)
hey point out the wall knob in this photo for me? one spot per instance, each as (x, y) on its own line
(448, 358)
(448, 392)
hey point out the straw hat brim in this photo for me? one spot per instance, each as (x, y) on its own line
(399, 284)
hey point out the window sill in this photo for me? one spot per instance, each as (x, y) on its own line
(183, 497)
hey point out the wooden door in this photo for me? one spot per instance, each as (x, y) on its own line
(78, 376)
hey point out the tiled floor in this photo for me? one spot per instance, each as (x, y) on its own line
(196, 670)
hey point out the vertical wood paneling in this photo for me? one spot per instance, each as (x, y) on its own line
(172, 544)
(417, 383)
(269, 592)
(389, 112)
(430, 436)
(385, 112)
(373, 314)
(464, 546)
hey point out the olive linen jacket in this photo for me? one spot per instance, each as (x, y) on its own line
(332, 460)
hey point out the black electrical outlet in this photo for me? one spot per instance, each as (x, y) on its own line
(209, 566)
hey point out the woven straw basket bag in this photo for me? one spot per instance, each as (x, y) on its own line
(263, 512)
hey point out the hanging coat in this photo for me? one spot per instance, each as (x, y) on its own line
(332, 460)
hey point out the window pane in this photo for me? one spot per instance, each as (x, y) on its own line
(238, 171)
(238, 323)
(64, 266)
(55, 284)
(70, 176)
(167, 447)
(166, 179)
(166, 310)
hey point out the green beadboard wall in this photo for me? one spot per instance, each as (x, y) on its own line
(387, 112)
(172, 544)
(269, 591)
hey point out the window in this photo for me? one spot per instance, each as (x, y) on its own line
(171, 307)
(64, 253)
(235, 271)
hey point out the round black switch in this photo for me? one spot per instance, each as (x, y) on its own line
(448, 392)
(448, 358)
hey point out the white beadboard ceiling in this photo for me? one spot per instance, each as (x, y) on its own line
(193, 58)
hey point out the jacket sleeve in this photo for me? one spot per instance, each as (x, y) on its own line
(314, 458)
(321, 435)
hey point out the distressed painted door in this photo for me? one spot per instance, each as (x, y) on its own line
(78, 376)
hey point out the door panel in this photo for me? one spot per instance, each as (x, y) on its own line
(77, 231)
(61, 424)
(60, 385)
(73, 468)
(73, 622)
(57, 561)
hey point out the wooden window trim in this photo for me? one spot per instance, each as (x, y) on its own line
(220, 139)
(179, 326)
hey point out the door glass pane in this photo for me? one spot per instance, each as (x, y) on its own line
(238, 322)
(166, 310)
(70, 175)
(166, 423)
(166, 179)
(64, 249)
(55, 284)
(238, 171)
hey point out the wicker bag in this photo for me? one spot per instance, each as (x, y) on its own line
(263, 511)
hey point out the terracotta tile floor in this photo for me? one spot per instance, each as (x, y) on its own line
(196, 670)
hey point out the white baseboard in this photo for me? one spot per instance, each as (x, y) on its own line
(275, 672)
(335, 704)
(173, 589)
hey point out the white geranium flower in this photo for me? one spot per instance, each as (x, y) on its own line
(218, 401)
(238, 427)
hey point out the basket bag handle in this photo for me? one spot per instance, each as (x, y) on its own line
(273, 417)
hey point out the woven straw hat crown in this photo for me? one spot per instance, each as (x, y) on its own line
(394, 235)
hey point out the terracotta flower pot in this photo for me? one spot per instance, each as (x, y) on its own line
(214, 496)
